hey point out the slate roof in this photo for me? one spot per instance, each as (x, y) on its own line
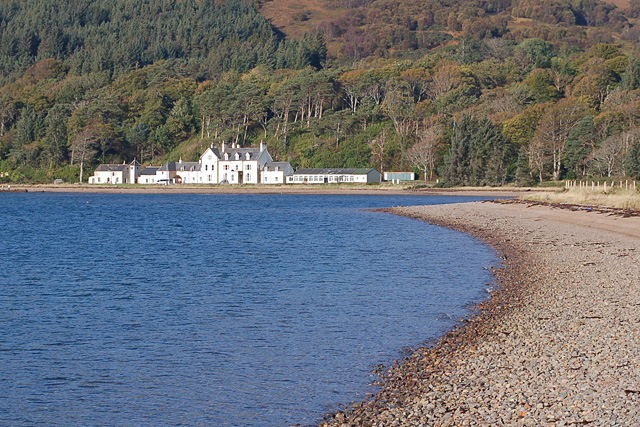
(254, 153)
(334, 171)
(215, 151)
(180, 166)
(150, 170)
(283, 166)
(112, 168)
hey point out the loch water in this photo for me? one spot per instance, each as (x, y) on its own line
(216, 310)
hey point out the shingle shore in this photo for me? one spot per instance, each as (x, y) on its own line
(557, 344)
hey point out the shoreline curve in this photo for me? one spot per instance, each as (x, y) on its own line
(555, 344)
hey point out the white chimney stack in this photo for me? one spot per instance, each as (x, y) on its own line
(263, 146)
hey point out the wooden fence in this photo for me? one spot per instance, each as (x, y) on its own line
(600, 186)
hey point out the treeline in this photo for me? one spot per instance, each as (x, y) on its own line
(479, 111)
(118, 36)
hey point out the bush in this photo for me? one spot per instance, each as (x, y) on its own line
(67, 173)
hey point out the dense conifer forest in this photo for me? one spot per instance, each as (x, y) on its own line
(472, 92)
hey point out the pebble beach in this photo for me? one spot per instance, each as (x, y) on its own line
(556, 344)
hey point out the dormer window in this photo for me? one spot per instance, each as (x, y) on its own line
(248, 156)
(237, 156)
(226, 156)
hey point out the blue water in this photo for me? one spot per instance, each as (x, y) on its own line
(217, 310)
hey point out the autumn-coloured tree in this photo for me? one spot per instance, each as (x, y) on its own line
(425, 154)
(555, 127)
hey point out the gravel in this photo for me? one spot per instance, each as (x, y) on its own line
(557, 343)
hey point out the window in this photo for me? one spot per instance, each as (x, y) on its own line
(248, 167)
(276, 179)
(206, 167)
(226, 167)
(98, 179)
(248, 177)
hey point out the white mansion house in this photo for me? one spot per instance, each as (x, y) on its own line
(227, 165)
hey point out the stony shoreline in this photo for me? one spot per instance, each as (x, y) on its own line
(557, 342)
(346, 189)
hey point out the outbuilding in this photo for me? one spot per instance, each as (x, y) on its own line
(334, 176)
(276, 172)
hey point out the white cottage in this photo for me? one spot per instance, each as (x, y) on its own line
(116, 173)
(276, 173)
(148, 175)
(179, 173)
(334, 176)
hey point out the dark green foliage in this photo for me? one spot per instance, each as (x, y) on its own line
(122, 35)
(632, 161)
(535, 52)
(581, 142)
(479, 154)
(523, 176)
(631, 77)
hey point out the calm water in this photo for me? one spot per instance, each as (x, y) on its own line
(217, 310)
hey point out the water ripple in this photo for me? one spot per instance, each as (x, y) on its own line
(220, 310)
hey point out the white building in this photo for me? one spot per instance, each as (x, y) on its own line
(334, 176)
(148, 175)
(276, 173)
(399, 176)
(116, 173)
(209, 166)
(242, 165)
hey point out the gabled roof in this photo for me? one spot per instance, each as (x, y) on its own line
(254, 153)
(214, 150)
(150, 170)
(188, 166)
(169, 166)
(282, 166)
(334, 171)
(180, 166)
(110, 167)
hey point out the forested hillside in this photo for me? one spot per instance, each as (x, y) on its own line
(474, 92)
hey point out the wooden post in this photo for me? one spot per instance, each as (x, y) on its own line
(605, 186)
(592, 185)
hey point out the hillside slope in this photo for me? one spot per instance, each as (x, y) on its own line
(472, 92)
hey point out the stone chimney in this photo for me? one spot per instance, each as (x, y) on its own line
(263, 146)
(223, 146)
